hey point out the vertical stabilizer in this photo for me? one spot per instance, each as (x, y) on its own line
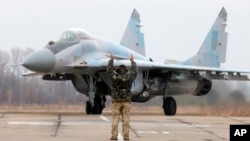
(132, 37)
(213, 49)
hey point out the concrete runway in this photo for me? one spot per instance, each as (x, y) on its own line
(66, 127)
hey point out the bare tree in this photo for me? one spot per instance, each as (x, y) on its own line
(16, 89)
(4, 60)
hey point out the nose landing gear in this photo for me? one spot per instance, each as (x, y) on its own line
(99, 105)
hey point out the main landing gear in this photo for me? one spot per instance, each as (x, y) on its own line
(169, 103)
(169, 106)
(99, 105)
(96, 103)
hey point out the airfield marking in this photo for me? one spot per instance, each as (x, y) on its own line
(137, 133)
(153, 132)
(104, 118)
(107, 120)
(147, 132)
(55, 123)
(119, 137)
(132, 129)
(46, 123)
(166, 132)
(143, 129)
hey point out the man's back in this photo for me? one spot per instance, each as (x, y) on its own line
(121, 82)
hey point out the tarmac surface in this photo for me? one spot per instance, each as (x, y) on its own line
(77, 127)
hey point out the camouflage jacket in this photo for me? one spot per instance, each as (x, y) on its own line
(121, 83)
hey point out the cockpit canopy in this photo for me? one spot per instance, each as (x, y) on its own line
(74, 35)
(67, 39)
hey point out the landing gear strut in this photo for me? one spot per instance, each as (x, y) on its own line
(96, 103)
(99, 105)
(88, 108)
(169, 103)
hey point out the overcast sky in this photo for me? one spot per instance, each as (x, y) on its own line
(174, 29)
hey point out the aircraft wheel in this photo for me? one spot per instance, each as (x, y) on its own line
(88, 108)
(100, 109)
(98, 106)
(101, 104)
(169, 106)
(96, 109)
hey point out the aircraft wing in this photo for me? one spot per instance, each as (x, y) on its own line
(210, 72)
(171, 67)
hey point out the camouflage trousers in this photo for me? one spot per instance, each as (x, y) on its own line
(123, 109)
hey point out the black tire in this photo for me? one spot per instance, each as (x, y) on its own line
(100, 109)
(169, 106)
(88, 108)
(96, 109)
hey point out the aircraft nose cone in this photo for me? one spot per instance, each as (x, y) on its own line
(40, 61)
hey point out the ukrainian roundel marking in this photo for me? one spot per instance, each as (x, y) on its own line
(239, 132)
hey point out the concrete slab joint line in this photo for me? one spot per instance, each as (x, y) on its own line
(242, 121)
(201, 128)
(58, 125)
(2, 115)
(62, 127)
(134, 131)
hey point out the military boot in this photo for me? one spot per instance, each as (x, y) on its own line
(126, 138)
(113, 138)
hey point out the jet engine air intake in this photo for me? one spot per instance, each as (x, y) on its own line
(56, 77)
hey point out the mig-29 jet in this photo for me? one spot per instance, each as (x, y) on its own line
(82, 58)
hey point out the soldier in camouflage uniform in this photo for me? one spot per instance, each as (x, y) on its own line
(122, 80)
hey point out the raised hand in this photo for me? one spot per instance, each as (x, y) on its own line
(132, 58)
(112, 57)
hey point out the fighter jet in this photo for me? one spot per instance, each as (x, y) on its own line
(82, 58)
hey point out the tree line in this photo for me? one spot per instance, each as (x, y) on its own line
(17, 90)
